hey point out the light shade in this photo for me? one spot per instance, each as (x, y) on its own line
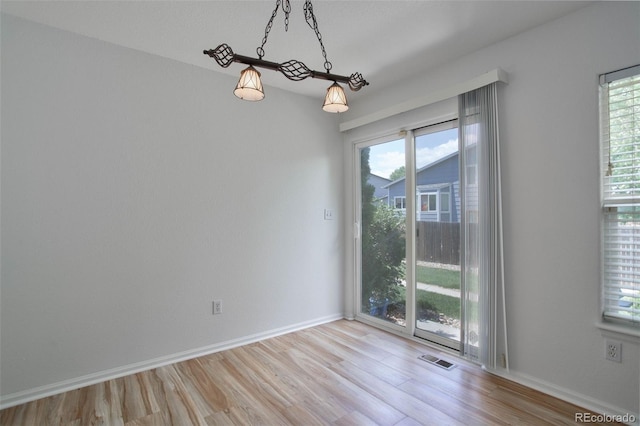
(336, 100)
(249, 86)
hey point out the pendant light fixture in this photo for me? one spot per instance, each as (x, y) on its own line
(336, 100)
(249, 86)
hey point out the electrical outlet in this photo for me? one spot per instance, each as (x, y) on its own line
(328, 214)
(217, 307)
(613, 350)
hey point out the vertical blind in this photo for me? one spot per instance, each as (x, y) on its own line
(485, 338)
(620, 147)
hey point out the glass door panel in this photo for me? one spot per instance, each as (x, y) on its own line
(383, 232)
(438, 310)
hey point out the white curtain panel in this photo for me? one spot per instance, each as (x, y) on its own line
(485, 334)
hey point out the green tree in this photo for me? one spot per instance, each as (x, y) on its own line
(397, 173)
(367, 190)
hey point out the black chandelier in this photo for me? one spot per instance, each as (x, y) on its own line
(249, 86)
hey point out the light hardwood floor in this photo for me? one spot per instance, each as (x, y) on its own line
(342, 373)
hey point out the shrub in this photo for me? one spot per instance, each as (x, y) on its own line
(383, 252)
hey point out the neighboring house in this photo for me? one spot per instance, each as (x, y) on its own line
(379, 183)
(437, 185)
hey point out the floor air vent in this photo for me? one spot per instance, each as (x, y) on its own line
(437, 361)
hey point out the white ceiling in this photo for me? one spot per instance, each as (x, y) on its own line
(383, 40)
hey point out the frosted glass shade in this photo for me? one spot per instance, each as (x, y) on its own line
(249, 86)
(336, 100)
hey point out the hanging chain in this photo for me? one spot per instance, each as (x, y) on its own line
(286, 8)
(310, 17)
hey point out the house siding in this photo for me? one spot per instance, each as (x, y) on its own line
(378, 183)
(443, 176)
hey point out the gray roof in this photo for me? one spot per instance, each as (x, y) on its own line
(438, 161)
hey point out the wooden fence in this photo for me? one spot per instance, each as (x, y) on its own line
(439, 242)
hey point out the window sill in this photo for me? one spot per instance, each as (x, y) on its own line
(619, 331)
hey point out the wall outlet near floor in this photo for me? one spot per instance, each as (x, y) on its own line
(328, 214)
(217, 307)
(613, 350)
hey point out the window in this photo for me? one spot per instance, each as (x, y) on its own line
(428, 202)
(620, 148)
(400, 203)
(444, 202)
(445, 209)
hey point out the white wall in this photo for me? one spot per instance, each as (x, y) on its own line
(549, 136)
(135, 190)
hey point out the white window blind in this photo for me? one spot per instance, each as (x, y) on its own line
(620, 147)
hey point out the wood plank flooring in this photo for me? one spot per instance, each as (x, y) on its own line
(342, 373)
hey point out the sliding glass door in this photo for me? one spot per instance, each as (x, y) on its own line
(410, 207)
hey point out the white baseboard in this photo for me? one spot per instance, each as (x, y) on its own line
(572, 397)
(33, 394)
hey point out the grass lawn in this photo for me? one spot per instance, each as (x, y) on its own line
(440, 277)
(439, 303)
(450, 306)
